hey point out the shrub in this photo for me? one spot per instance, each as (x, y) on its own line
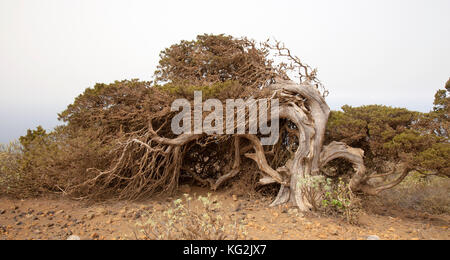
(188, 219)
(10, 173)
(43, 163)
(340, 199)
(419, 192)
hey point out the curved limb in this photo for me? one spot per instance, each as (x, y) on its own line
(236, 165)
(359, 181)
(260, 158)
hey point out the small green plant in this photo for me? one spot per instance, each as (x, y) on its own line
(190, 219)
(338, 198)
(312, 187)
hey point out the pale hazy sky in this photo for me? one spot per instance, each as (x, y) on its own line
(368, 52)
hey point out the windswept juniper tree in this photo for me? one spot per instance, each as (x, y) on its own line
(121, 133)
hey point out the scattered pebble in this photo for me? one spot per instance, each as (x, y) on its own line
(373, 237)
(95, 235)
(73, 237)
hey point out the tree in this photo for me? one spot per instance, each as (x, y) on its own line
(150, 158)
(33, 137)
(439, 118)
(128, 123)
(396, 140)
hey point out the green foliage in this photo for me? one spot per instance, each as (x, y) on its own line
(10, 155)
(311, 182)
(338, 198)
(439, 119)
(49, 162)
(389, 134)
(33, 138)
(104, 106)
(22, 163)
(436, 158)
(369, 128)
(442, 99)
(220, 90)
(410, 141)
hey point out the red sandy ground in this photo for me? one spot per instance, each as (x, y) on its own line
(59, 218)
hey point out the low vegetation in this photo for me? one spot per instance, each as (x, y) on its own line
(428, 194)
(191, 218)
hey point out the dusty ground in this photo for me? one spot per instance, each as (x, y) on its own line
(60, 218)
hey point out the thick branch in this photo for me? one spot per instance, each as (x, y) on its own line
(260, 158)
(236, 165)
(354, 155)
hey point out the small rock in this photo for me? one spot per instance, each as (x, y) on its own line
(90, 216)
(2, 211)
(235, 198)
(373, 237)
(95, 235)
(73, 237)
(59, 212)
(19, 223)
